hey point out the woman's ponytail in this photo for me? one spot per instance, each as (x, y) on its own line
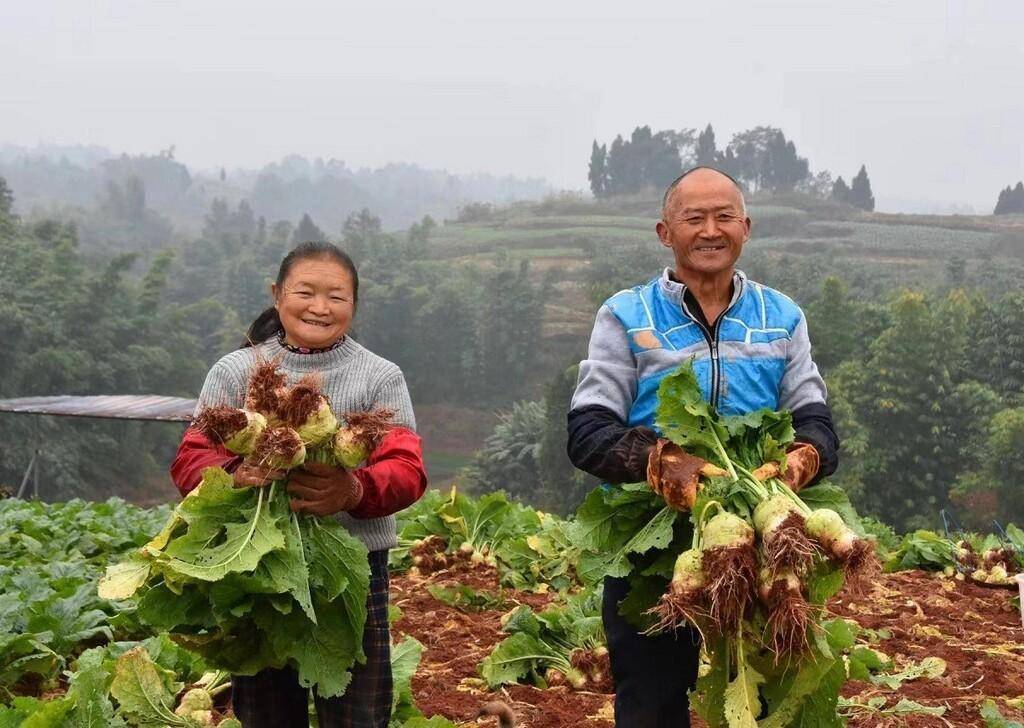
(266, 326)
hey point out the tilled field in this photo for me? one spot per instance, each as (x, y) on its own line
(976, 630)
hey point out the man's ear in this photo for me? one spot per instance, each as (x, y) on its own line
(750, 226)
(662, 229)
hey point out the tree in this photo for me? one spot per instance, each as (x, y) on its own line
(1011, 200)
(912, 405)
(706, 153)
(841, 191)
(598, 172)
(419, 233)
(646, 160)
(510, 457)
(860, 191)
(362, 234)
(819, 185)
(992, 489)
(563, 487)
(764, 159)
(6, 199)
(834, 324)
(997, 351)
(509, 330)
(307, 231)
(6, 209)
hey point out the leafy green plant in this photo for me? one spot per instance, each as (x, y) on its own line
(995, 719)
(561, 644)
(467, 599)
(238, 578)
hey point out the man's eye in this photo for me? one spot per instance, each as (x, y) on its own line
(694, 220)
(338, 299)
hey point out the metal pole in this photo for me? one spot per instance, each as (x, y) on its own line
(28, 471)
(35, 479)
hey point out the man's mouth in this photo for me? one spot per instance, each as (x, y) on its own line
(709, 248)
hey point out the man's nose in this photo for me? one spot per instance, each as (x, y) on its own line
(710, 227)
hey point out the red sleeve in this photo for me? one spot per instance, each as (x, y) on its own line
(394, 477)
(196, 453)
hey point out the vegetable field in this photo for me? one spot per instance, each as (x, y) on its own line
(474, 582)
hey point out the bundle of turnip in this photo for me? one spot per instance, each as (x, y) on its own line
(750, 564)
(235, 575)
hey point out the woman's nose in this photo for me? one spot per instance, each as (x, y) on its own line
(319, 305)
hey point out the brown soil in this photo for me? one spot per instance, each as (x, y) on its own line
(974, 629)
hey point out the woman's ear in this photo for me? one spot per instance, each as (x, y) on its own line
(273, 294)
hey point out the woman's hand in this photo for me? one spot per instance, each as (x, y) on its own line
(248, 475)
(323, 490)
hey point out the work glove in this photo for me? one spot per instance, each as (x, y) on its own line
(674, 474)
(323, 490)
(251, 475)
(802, 463)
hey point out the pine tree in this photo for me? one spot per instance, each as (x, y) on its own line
(598, 174)
(1003, 202)
(307, 231)
(860, 191)
(840, 191)
(1017, 201)
(706, 152)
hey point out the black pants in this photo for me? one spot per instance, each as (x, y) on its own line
(274, 698)
(652, 673)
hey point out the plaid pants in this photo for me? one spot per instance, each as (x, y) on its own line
(274, 698)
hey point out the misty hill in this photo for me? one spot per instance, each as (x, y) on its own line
(161, 200)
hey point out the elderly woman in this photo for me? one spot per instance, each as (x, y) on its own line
(306, 331)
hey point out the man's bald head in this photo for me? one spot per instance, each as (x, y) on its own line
(699, 175)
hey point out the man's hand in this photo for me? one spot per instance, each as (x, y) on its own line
(323, 490)
(802, 463)
(674, 474)
(249, 475)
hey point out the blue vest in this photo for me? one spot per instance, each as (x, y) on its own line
(739, 364)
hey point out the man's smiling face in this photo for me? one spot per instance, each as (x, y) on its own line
(705, 223)
(315, 303)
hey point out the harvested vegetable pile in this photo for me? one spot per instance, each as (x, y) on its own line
(237, 577)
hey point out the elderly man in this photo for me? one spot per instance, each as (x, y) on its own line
(750, 349)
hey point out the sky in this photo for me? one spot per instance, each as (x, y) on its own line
(929, 94)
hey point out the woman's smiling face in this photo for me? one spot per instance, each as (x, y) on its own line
(315, 302)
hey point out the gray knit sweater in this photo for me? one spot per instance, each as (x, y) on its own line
(354, 379)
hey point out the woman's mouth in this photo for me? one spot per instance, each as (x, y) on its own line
(311, 322)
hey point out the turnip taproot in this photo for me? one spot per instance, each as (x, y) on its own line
(789, 614)
(782, 529)
(729, 563)
(857, 555)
